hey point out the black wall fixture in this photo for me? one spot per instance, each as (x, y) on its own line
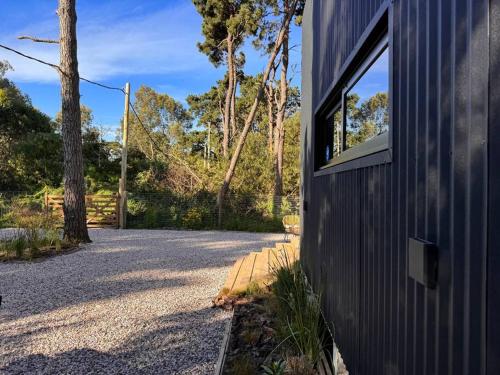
(423, 262)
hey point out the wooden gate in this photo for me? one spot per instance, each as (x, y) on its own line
(102, 210)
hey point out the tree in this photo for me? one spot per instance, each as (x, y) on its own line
(161, 136)
(29, 146)
(277, 98)
(367, 119)
(287, 17)
(75, 217)
(226, 23)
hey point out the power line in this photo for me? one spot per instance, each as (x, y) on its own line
(179, 160)
(56, 67)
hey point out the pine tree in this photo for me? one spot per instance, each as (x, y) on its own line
(226, 24)
(75, 217)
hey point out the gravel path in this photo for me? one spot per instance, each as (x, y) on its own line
(134, 301)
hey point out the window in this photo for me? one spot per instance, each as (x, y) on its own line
(358, 124)
(366, 103)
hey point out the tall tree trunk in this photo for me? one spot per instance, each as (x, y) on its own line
(280, 126)
(271, 119)
(233, 103)
(251, 115)
(229, 95)
(75, 217)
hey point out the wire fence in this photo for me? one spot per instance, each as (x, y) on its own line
(240, 212)
(255, 213)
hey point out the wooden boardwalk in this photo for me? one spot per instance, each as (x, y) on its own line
(257, 267)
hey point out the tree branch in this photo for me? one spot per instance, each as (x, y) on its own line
(38, 40)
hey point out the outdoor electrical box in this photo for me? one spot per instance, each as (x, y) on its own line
(423, 262)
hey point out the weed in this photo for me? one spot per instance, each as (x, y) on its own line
(243, 365)
(254, 290)
(251, 336)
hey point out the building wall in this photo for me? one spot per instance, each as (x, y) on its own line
(356, 223)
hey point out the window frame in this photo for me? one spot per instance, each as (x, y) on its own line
(377, 37)
(379, 142)
(331, 115)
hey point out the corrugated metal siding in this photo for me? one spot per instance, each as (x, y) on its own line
(358, 222)
(493, 324)
(335, 48)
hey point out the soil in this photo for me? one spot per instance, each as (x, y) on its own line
(252, 339)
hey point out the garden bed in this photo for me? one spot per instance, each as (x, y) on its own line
(252, 338)
(31, 254)
(280, 329)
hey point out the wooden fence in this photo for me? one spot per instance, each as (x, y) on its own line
(103, 211)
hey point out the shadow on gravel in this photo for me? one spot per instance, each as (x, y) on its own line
(187, 342)
(118, 263)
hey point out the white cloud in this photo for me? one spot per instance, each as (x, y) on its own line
(111, 43)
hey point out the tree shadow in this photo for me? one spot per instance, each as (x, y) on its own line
(184, 342)
(119, 263)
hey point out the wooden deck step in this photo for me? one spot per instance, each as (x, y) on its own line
(260, 273)
(233, 274)
(245, 275)
(258, 267)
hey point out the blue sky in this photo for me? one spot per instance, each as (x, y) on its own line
(149, 42)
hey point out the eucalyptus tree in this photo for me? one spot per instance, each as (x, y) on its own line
(226, 25)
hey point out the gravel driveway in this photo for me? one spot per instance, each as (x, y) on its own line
(132, 302)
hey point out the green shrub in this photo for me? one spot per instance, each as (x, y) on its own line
(195, 218)
(136, 207)
(152, 218)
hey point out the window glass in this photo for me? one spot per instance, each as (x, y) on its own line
(366, 102)
(334, 134)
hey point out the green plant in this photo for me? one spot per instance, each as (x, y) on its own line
(193, 218)
(254, 290)
(18, 245)
(299, 312)
(275, 368)
(136, 207)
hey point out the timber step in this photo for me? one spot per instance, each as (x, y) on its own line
(257, 267)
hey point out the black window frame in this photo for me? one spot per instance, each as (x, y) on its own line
(378, 150)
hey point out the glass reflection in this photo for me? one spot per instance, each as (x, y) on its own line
(366, 102)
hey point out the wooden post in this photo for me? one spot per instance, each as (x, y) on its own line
(123, 179)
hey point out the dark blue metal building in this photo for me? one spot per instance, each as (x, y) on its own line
(401, 227)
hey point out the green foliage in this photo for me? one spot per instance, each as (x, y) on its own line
(31, 145)
(35, 230)
(367, 119)
(299, 313)
(239, 18)
(275, 368)
(196, 218)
